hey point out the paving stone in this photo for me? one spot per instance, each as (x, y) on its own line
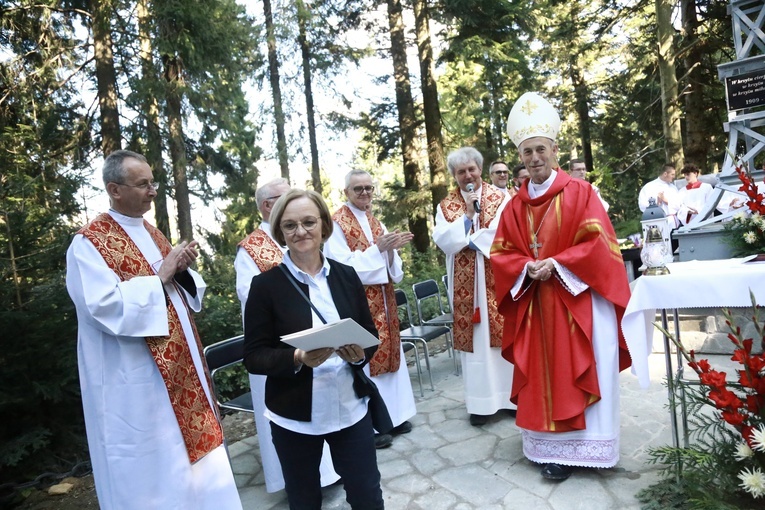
(428, 462)
(472, 450)
(521, 499)
(413, 483)
(457, 430)
(474, 484)
(395, 468)
(434, 500)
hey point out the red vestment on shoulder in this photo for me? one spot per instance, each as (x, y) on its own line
(548, 331)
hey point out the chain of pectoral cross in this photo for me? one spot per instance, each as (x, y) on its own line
(535, 245)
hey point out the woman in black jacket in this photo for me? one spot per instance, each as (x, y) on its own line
(322, 394)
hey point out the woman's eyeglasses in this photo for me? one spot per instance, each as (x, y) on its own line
(308, 223)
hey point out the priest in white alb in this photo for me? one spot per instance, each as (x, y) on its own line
(466, 221)
(153, 428)
(360, 240)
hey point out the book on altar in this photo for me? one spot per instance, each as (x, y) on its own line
(335, 335)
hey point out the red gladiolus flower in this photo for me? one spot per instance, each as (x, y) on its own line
(725, 399)
(754, 403)
(713, 378)
(733, 417)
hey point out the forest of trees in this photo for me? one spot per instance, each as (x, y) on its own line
(635, 82)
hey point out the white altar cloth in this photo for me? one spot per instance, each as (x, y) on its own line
(692, 284)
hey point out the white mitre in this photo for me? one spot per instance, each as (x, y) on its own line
(532, 116)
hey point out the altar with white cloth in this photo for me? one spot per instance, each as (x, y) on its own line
(692, 284)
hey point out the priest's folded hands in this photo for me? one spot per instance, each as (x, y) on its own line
(178, 260)
(541, 269)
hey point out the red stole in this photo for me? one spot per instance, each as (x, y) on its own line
(548, 331)
(453, 207)
(198, 421)
(264, 251)
(381, 298)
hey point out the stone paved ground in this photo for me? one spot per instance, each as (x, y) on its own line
(444, 463)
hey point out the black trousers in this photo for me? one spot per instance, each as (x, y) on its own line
(353, 456)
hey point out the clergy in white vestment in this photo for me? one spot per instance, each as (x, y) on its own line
(360, 240)
(664, 192)
(562, 287)
(693, 196)
(259, 252)
(153, 429)
(577, 168)
(464, 233)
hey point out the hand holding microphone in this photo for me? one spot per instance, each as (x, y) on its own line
(476, 205)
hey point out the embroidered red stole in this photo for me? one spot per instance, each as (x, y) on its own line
(548, 331)
(453, 208)
(381, 298)
(263, 250)
(197, 420)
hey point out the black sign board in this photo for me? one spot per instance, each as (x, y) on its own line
(746, 90)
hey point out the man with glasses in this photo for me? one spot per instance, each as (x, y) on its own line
(499, 173)
(257, 253)
(360, 240)
(153, 431)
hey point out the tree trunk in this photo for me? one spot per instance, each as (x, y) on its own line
(177, 145)
(696, 140)
(276, 91)
(673, 138)
(581, 95)
(439, 177)
(151, 115)
(305, 51)
(106, 78)
(417, 220)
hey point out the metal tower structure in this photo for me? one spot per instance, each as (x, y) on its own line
(746, 117)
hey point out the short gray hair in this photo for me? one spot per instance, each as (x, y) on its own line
(462, 156)
(265, 191)
(352, 173)
(113, 170)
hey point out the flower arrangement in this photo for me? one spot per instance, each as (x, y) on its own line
(746, 231)
(724, 467)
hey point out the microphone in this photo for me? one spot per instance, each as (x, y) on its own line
(476, 205)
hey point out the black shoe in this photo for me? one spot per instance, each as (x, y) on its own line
(383, 441)
(557, 472)
(404, 428)
(512, 412)
(477, 420)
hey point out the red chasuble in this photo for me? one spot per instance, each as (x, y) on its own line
(548, 331)
(198, 421)
(381, 298)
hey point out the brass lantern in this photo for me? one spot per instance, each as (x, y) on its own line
(657, 244)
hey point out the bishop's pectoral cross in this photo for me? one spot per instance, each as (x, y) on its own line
(535, 245)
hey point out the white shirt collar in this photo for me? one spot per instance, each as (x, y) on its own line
(537, 190)
(301, 275)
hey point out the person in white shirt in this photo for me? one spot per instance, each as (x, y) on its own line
(153, 431)
(577, 168)
(664, 192)
(360, 240)
(693, 196)
(256, 253)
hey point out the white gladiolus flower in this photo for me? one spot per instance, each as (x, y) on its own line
(750, 237)
(743, 451)
(758, 438)
(753, 482)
